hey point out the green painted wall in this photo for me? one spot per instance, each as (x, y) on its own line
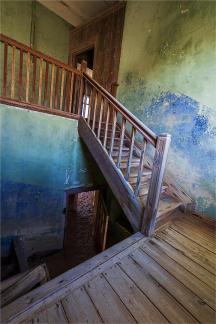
(167, 79)
(40, 156)
(173, 47)
(51, 33)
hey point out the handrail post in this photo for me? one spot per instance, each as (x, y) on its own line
(83, 70)
(158, 169)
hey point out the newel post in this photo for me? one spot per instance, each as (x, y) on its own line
(158, 169)
(83, 70)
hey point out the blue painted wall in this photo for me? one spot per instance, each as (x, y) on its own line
(41, 156)
(167, 79)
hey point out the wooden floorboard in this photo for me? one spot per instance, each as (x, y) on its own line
(73, 305)
(181, 274)
(166, 278)
(186, 262)
(56, 314)
(195, 305)
(191, 249)
(160, 297)
(132, 297)
(198, 234)
(107, 302)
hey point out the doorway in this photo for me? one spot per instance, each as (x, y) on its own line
(86, 211)
(87, 55)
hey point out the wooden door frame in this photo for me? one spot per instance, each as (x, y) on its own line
(87, 46)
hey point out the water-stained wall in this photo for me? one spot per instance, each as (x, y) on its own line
(167, 78)
(41, 156)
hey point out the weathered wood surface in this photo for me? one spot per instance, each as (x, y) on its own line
(55, 287)
(100, 221)
(126, 140)
(22, 283)
(158, 170)
(104, 34)
(135, 171)
(31, 88)
(141, 280)
(123, 193)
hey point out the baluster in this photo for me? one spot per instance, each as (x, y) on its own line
(40, 81)
(95, 108)
(52, 85)
(100, 116)
(80, 96)
(83, 69)
(66, 89)
(90, 106)
(159, 163)
(4, 90)
(121, 142)
(113, 132)
(75, 95)
(84, 99)
(56, 88)
(106, 125)
(133, 133)
(28, 62)
(34, 78)
(71, 88)
(20, 91)
(62, 88)
(46, 83)
(140, 170)
(13, 71)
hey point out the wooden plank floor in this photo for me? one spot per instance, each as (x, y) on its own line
(167, 278)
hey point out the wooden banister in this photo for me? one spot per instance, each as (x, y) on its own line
(27, 49)
(37, 81)
(110, 115)
(145, 131)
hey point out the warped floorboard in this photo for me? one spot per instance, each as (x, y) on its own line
(167, 278)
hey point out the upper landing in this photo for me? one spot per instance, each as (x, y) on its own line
(169, 277)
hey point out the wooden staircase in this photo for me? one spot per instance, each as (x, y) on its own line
(167, 203)
(131, 157)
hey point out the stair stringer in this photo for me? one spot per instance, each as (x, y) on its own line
(121, 189)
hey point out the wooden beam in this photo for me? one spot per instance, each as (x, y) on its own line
(35, 107)
(24, 283)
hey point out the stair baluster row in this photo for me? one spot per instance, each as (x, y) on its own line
(135, 149)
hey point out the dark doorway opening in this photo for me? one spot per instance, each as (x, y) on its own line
(87, 56)
(86, 226)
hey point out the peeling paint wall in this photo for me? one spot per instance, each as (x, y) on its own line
(168, 81)
(41, 156)
(29, 21)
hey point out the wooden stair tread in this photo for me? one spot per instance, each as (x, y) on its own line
(167, 206)
(145, 177)
(144, 191)
(124, 149)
